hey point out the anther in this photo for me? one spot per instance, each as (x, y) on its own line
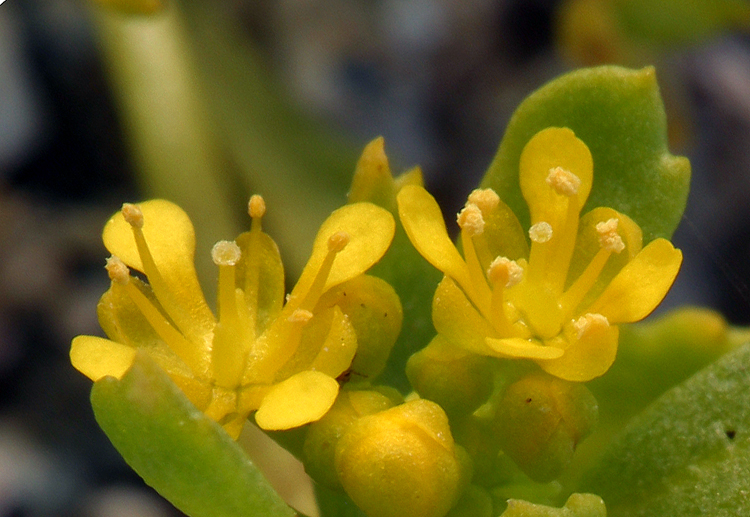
(588, 322)
(540, 232)
(338, 241)
(256, 207)
(470, 220)
(505, 271)
(226, 253)
(117, 270)
(609, 239)
(486, 199)
(563, 181)
(133, 215)
(300, 316)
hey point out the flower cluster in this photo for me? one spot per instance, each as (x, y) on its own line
(558, 300)
(261, 354)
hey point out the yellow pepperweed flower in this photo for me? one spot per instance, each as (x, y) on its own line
(558, 301)
(260, 354)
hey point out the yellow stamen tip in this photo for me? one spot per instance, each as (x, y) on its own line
(133, 215)
(256, 207)
(609, 239)
(300, 316)
(226, 253)
(117, 270)
(470, 220)
(486, 199)
(540, 232)
(588, 322)
(564, 182)
(338, 241)
(505, 272)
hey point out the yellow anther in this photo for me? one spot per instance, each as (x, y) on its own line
(470, 220)
(300, 316)
(338, 241)
(505, 272)
(609, 239)
(117, 270)
(256, 207)
(589, 321)
(563, 181)
(540, 232)
(226, 253)
(486, 199)
(133, 215)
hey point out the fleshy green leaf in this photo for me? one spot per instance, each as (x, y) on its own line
(181, 453)
(619, 114)
(689, 453)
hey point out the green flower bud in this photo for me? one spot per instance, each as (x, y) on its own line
(323, 436)
(578, 505)
(402, 461)
(457, 380)
(540, 421)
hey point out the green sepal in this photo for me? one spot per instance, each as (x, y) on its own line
(688, 454)
(620, 116)
(177, 450)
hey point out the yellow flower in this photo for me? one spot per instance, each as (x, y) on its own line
(281, 359)
(558, 301)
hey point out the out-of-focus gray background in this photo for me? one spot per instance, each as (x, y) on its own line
(439, 79)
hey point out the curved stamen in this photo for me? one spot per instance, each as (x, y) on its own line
(120, 276)
(336, 243)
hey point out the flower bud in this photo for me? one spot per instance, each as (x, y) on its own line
(457, 380)
(577, 505)
(402, 461)
(323, 436)
(540, 421)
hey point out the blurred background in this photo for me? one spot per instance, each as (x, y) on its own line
(207, 104)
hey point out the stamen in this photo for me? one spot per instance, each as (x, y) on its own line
(505, 272)
(486, 199)
(338, 241)
(540, 232)
(300, 316)
(226, 253)
(117, 270)
(470, 220)
(564, 182)
(609, 239)
(133, 215)
(589, 322)
(256, 207)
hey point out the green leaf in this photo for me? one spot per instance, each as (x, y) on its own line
(619, 114)
(689, 453)
(182, 454)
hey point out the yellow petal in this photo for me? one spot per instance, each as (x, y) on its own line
(370, 230)
(641, 285)
(260, 274)
(519, 348)
(374, 310)
(550, 148)
(124, 323)
(456, 319)
(301, 399)
(338, 349)
(171, 240)
(585, 358)
(423, 222)
(372, 180)
(96, 357)
(503, 234)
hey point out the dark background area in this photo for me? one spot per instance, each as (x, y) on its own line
(438, 79)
